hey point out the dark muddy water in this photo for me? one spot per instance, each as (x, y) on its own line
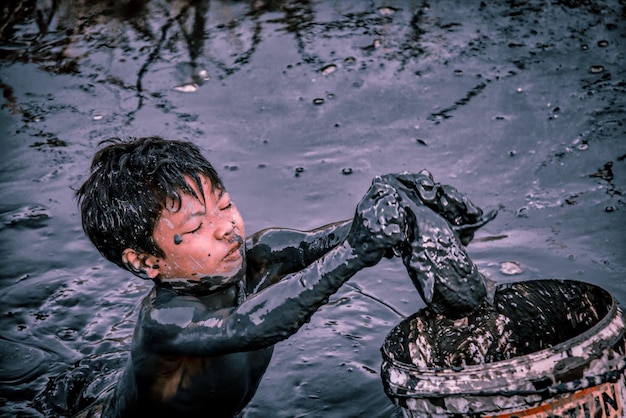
(520, 105)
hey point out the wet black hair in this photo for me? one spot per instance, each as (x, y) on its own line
(130, 183)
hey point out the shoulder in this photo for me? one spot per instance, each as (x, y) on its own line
(164, 307)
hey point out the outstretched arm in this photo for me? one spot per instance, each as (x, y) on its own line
(186, 327)
(275, 252)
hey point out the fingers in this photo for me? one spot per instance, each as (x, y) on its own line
(444, 199)
(381, 211)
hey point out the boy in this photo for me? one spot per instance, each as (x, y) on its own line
(205, 332)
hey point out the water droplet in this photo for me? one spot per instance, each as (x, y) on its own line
(602, 43)
(318, 101)
(510, 268)
(329, 69)
(596, 69)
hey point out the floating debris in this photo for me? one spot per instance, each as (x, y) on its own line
(346, 171)
(510, 268)
(387, 10)
(318, 101)
(596, 69)
(204, 75)
(187, 88)
(603, 43)
(374, 45)
(328, 69)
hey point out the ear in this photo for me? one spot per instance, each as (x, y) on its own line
(141, 264)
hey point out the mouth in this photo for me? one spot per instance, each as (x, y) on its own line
(233, 253)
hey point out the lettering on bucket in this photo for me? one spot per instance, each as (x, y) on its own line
(602, 401)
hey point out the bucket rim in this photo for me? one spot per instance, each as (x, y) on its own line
(585, 338)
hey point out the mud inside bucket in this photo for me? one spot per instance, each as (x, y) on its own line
(543, 348)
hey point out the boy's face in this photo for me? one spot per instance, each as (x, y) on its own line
(204, 237)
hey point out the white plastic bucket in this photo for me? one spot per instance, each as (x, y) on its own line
(582, 376)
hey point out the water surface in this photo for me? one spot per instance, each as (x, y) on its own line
(298, 104)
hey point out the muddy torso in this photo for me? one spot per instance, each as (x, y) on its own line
(197, 386)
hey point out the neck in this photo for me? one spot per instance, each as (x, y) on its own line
(227, 295)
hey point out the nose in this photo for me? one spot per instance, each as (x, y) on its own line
(224, 227)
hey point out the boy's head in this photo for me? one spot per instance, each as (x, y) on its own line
(136, 186)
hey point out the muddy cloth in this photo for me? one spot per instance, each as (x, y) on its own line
(440, 221)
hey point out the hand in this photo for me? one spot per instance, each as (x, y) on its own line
(379, 223)
(464, 217)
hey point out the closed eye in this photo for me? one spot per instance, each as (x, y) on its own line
(196, 229)
(225, 202)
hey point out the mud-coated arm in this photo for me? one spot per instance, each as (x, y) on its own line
(184, 326)
(438, 219)
(275, 252)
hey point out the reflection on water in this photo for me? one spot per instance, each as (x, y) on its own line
(299, 104)
(207, 39)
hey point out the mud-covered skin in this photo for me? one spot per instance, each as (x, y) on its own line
(440, 221)
(202, 353)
